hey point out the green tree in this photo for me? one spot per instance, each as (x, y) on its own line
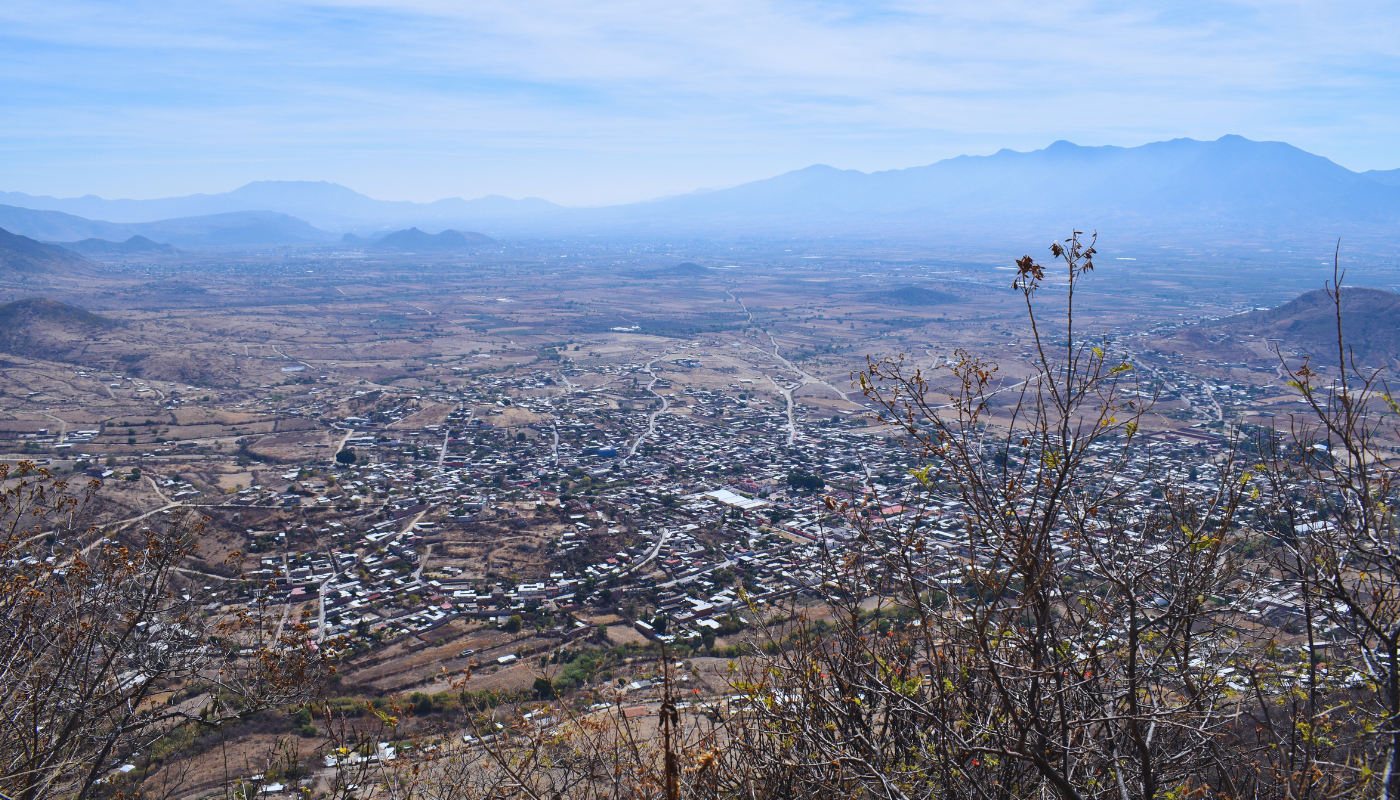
(805, 481)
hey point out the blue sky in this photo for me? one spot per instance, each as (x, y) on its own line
(591, 103)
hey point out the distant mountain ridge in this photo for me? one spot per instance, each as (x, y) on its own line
(213, 230)
(320, 203)
(136, 245)
(1230, 190)
(414, 240)
(1229, 184)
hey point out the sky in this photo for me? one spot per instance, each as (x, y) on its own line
(594, 103)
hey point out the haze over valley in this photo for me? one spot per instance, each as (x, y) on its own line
(1231, 192)
(705, 401)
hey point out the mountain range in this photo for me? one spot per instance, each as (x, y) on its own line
(1229, 190)
(325, 205)
(213, 230)
(1230, 185)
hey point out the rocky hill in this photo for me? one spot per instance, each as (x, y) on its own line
(42, 328)
(22, 257)
(1307, 325)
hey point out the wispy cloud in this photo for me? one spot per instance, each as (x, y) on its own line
(618, 100)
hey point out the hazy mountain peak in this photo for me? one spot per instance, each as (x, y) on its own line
(1230, 186)
(324, 204)
(415, 240)
(137, 245)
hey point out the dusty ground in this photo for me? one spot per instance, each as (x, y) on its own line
(199, 373)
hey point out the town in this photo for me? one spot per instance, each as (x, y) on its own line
(659, 500)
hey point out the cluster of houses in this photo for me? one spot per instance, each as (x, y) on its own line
(716, 522)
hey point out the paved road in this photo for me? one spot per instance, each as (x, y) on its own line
(786, 392)
(741, 305)
(321, 609)
(289, 358)
(1219, 413)
(553, 421)
(422, 562)
(806, 377)
(651, 553)
(554, 432)
(651, 418)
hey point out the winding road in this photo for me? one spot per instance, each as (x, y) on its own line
(554, 421)
(651, 418)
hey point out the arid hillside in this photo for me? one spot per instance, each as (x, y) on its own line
(45, 328)
(1307, 325)
(22, 257)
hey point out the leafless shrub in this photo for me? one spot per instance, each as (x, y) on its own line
(1028, 621)
(1070, 640)
(1331, 714)
(94, 634)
